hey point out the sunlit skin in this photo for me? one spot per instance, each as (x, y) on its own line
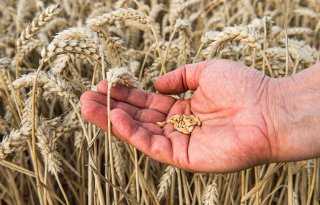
(233, 102)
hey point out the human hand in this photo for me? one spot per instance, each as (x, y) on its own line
(230, 99)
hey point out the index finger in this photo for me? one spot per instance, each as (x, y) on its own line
(138, 97)
(182, 79)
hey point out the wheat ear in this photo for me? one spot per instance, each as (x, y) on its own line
(50, 84)
(79, 40)
(48, 148)
(18, 136)
(118, 150)
(121, 15)
(165, 182)
(116, 52)
(211, 195)
(36, 24)
(304, 11)
(184, 42)
(247, 34)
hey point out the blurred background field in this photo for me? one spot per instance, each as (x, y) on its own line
(50, 155)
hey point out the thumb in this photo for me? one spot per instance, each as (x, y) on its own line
(180, 80)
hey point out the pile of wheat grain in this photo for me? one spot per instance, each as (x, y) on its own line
(50, 54)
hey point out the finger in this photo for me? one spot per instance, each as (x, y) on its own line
(94, 96)
(153, 128)
(95, 113)
(142, 115)
(138, 97)
(180, 80)
(156, 146)
(180, 146)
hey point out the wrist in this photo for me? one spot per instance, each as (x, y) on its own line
(292, 113)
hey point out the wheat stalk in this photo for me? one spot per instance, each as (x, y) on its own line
(122, 76)
(48, 149)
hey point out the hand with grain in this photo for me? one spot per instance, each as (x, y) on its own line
(247, 118)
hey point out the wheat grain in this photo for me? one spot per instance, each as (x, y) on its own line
(79, 139)
(182, 123)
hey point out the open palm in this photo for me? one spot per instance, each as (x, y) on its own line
(229, 98)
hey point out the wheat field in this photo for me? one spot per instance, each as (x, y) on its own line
(53, 51)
